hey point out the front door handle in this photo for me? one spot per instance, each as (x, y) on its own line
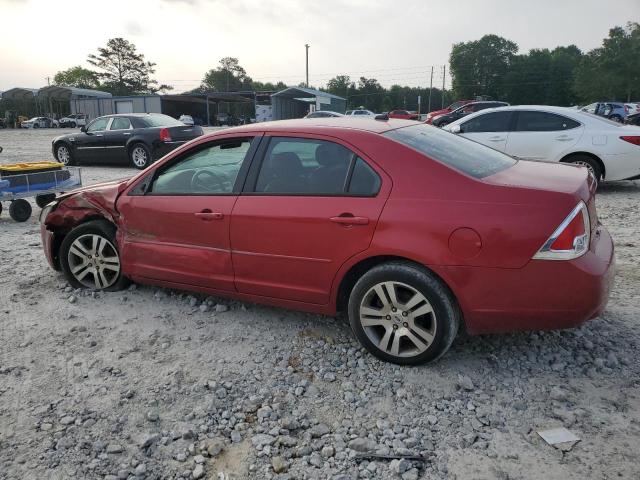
(497, 139)
(207, 215)
(349, 219)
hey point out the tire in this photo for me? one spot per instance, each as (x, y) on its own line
(44, 199)
(90, 258)
(64, 155)
(592, 165)
(20, 210)
(432, 316)
(140, 156)
(35, 125)
(616, 118)
(73, 124)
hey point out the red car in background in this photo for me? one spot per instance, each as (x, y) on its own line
(403, 115)
(411, 230)
(450, 108)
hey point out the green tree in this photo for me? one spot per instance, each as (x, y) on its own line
(229, 76)
(611, 72)
(77, 76)
(479, 67)
(340, 85)
(123, 70)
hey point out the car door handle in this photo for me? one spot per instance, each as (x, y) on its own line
(497, 139)
(348, 219)
(126, 133)
(99, 135)
(207, 215)
(564, 138)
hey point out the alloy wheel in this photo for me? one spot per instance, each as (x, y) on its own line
(398, 319)
(139, 157)
(63, 155)
(94, 261)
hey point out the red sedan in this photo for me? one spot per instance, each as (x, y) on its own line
(403, 115)
(444, 111)
(411, 230)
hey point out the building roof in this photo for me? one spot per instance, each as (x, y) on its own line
(294, 92)
(67, 93)
(19, 93)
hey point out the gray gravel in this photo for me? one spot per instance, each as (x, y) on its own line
(152, 383)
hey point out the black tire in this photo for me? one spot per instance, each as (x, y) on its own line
(443, 320)
(0, 208)
(589, 162)
(20, 210)
(65, 159)
(73, 124)
(140, 156)
(100, 228)
(44, 199)
(35, 125)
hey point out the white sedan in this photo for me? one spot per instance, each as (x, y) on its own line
(557, 134)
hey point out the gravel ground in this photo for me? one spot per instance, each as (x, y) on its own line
(153, 383)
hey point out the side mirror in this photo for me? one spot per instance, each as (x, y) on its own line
(83, 129)
(455, 129)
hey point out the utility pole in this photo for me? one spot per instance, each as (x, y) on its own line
(48, 81)
(430, 90)
(444, 75)
(306, 46)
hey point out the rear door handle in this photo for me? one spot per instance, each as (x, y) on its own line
(497, 139)
(564, 138)
(126, 133)
(350, 220)
(207, 215)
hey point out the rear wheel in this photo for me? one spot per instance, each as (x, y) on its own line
(616, 118)
(592, 165)
(20, 210)
(140, 156)
(73, 124)
(90, 258)
(44, 199)
(403, 314)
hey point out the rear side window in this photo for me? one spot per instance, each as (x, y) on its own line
(302, 166)
(489, 122)
(120, 123)
(465, 156)
(529, 121)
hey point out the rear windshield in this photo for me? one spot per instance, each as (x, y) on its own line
(460, 153)
(161, 121)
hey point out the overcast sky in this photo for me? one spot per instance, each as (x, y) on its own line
(394, 41)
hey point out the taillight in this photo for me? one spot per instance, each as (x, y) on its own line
(165, 136)
(571, 239)
(631, 139)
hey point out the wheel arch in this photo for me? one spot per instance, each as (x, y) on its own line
(568, 159)
(353, 274)
(61, 232)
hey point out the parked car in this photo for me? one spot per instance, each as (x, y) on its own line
(557, 134)
(136, 138)
(187, 120)
(463, 111)
(226, 119)
(616, 111)
(323, 114)
(74, 120)
(403, 114)
(449, 109)
(633, 119)
(3, 123)
(40, 122)
(319, 215)
(360, 113)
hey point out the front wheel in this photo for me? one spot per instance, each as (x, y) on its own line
(90, 257)
(63, 155)
(403, 314)
(140, 156)
(20, 210)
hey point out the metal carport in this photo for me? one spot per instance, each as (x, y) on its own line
(294, 102)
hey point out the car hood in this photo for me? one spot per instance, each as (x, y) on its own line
(106, 192)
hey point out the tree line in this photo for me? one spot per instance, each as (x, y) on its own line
(488, 67)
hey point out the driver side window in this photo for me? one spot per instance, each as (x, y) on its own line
(98, 125)
(211, 170)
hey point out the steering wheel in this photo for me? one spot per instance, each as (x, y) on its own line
(207, 181)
